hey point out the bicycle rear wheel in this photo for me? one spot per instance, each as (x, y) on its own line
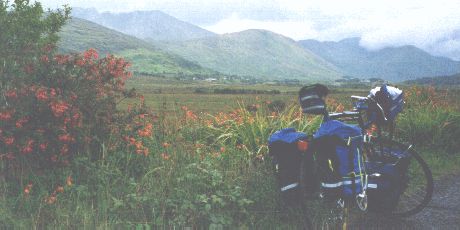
(416, 179)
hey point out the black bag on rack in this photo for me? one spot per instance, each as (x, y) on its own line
(287, 160)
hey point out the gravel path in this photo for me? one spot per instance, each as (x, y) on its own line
(443, 212)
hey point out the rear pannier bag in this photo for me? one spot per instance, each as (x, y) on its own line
(311, 99)
(390, 98)
(286, 159)
(387, 181)
(340, 164)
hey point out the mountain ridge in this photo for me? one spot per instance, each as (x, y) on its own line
(155, 25)
(259, 53)
(390, 63)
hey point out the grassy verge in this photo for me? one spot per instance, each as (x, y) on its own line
(204, 170)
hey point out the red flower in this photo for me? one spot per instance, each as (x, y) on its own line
(21, 122)
(59, 108)
(12, 94)
(5, 116)
(9, 140)
(91, 53)
(41, 94)
(66, 138)
(43, 146)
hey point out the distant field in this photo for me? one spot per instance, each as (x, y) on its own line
(169, 95)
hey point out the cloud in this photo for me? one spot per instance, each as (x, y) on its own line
(294, 29)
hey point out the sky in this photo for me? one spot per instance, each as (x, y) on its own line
(433, 25)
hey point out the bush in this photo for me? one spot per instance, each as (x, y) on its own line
(54, 106)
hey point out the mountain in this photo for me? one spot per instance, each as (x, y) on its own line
(392, 63)
(154, 25)
(256, 53)
(79, 35)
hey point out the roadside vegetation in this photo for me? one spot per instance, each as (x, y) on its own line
(78, 149)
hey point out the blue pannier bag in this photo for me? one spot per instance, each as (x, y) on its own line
(340, 164)
(286, 159)
(390, 98)
(387, 180)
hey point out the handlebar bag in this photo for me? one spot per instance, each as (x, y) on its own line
(390, 98)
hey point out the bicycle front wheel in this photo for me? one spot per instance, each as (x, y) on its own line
(414, 187)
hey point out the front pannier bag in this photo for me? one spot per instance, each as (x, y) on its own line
(286, 158)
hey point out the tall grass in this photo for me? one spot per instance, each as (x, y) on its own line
(203, 171)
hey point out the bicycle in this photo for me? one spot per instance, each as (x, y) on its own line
(378, 151)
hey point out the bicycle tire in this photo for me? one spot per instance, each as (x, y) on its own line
(419, 182)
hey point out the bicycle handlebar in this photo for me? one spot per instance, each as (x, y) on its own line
(372, 100)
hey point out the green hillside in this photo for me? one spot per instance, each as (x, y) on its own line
(256, 53)
(79, 35)
(147, 61)
(392, 63)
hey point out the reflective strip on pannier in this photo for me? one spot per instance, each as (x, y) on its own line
(340, 184)
(287, 187)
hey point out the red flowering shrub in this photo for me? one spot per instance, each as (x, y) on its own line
(65, 104)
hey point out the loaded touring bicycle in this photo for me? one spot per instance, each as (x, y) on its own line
(353, 159)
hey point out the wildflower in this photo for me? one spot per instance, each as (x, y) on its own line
(21, 122)
(165, 156)
(166, 144)
(51, 199)
(59, 108)
(43, 146)
(222, 149)
(69, 181)
(28, 188)
(11, 94)
(66, 138)
(59, 189)
(5, 116)
(28, 148)
(9, 140)
(91, 53)
(41, 94)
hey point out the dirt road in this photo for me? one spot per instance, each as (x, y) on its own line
(443, 212)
